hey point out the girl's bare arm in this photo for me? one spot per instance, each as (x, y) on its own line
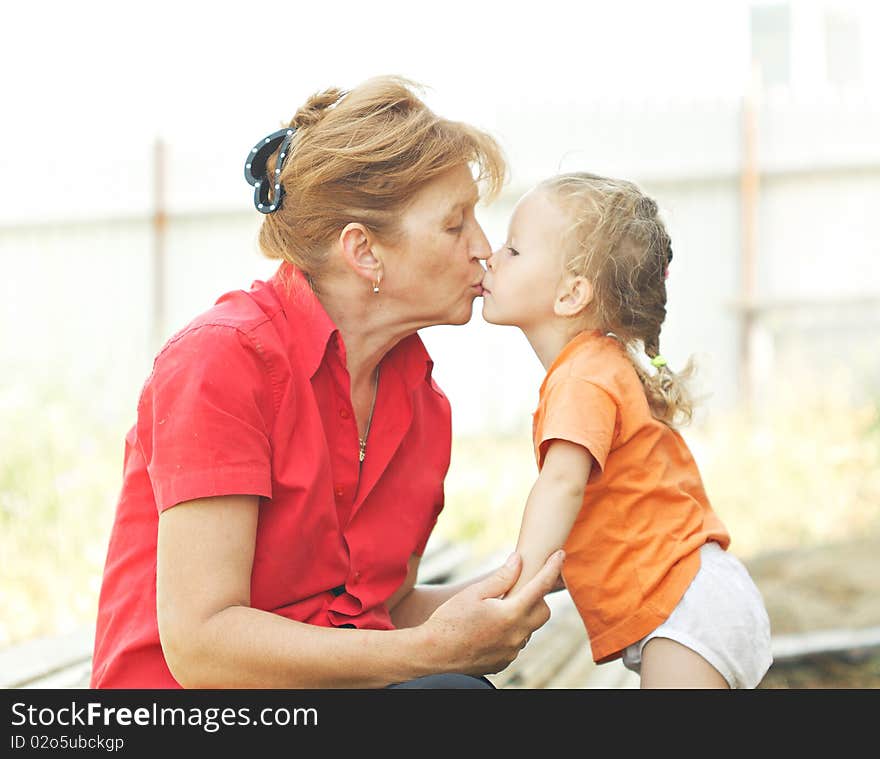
(552, 506)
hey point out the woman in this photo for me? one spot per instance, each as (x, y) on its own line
(287, 464)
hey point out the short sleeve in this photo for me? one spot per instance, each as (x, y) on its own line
(581, 412)
(423, 541)
(204, 418)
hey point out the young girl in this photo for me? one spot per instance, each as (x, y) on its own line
(582, 274)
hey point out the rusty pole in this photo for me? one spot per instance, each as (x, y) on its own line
(160, 224)
(749, 190)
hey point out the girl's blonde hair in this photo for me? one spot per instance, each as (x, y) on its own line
(618, 242)
(360, 156)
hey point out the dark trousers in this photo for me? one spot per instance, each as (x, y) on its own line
(447, 680)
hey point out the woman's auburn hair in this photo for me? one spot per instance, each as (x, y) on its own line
(361, 156)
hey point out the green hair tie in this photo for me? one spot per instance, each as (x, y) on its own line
(658, 361)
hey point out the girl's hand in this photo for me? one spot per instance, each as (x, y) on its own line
(477, 632)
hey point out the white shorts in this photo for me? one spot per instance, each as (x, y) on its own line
(722, 617)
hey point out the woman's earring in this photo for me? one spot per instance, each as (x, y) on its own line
(376, 286)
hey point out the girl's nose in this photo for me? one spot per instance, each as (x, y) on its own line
(490, 263)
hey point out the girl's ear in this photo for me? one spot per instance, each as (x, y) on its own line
(575, 293)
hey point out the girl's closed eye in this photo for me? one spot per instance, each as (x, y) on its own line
(512, 251)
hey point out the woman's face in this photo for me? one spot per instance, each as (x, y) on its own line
(434, 272)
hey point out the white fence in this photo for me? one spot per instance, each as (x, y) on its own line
(77, 295)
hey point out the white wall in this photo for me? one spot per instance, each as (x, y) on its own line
(77, 295)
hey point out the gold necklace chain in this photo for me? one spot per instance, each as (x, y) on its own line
(362, 441)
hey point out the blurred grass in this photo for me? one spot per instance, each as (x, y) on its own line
(59, 477)
(804, 471)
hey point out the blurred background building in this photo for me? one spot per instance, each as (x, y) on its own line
(769, 189)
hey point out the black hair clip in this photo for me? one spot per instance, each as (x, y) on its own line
(255, 168)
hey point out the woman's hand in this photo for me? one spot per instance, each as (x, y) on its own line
(477, 632)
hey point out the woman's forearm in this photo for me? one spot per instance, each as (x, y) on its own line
(471, 631)
(242, 647)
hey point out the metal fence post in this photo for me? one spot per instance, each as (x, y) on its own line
(749, 189)
(160, 224)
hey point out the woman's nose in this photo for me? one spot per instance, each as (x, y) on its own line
(480, 247)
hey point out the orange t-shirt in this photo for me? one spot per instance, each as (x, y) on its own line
(634, 546)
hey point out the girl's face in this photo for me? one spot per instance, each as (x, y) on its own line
(523, 276)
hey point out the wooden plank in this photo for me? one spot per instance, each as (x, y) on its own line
(797, 646)
(72, 676)
(42, 657)
(577, 672)
(442, 561)
(612, 675)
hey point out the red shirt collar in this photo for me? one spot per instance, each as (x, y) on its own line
(318, 332)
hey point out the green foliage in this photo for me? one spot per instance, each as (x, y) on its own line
(59, 477)
(804, 470)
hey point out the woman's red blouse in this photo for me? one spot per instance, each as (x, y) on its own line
(253, 397)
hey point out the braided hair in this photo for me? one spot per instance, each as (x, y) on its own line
(618, 242)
